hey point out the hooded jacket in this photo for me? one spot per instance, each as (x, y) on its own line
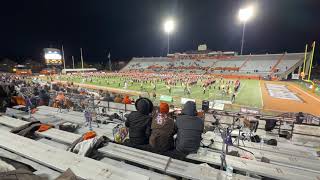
(161, 139)
(44, 98)
(189, 129)
(139, 122)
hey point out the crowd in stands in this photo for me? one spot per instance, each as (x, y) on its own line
(246, 64)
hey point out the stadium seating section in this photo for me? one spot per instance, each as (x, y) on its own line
(255, 65)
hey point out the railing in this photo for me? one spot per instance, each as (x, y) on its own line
(308, 119)
(244, 63)
(277, 63)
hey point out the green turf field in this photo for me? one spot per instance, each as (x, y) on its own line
(249, 93)
(303, 84)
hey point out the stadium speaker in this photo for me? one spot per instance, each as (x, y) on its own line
(205, 105)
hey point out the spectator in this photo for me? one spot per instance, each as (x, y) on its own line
(189, 129)
(139, 123)
(106, 97)
(60, 100)
(126, 100)
(60, 97)
(44, 98)
(161, 139)
(118, 99)
(112, 97)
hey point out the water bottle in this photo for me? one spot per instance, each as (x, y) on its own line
(229, 170)
(261, 143)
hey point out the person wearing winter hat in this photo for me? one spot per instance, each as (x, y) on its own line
(139, 123)
(126, 100)
(189, 129)
(162, 130)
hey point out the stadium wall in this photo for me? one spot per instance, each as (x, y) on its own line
(235, 76)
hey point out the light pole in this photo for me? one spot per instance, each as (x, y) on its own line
(168, 28)
(64, 61)
(72, 62)
(244, 15)
(81, 59)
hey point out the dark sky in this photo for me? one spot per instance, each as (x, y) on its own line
(131, 28)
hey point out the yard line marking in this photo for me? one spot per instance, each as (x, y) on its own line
(261, 94)
(305, 93)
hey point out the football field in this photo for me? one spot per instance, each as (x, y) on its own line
(269, 96)
(249, 93)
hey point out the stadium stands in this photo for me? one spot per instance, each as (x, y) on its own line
(255, 65)
(289, 60)
(260, 64)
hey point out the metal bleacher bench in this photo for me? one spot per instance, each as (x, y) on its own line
(172, 166)
(60, 160)
(59, 136)
(176, 167)
(256, 167)
(288, 160)
(151, 160)
(269, 148)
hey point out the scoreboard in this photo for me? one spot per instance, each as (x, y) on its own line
(52, 56)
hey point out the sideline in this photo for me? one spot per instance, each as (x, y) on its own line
(261, 94)
(305, 92)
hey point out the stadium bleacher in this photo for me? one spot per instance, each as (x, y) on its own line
(261, 64)
(289, 60)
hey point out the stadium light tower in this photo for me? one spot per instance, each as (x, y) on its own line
(168, 28)
(244, 15)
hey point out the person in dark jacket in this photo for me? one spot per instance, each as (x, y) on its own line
(44, 98)
(139, 123)
(162, 130)
(189, 129)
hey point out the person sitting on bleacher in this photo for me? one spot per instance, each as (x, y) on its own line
(118, 99)
(44, 98)
(139, 123)
(162, 130)
(60, 99)
(126, 100)
(189, 129)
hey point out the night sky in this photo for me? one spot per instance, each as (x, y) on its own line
(134, 28)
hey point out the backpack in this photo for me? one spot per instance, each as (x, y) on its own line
(255, 138)
(270, 124)
(114, 116)
(120, 133)
(272, 142)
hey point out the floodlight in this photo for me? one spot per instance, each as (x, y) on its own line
(245, 13)
(169, 26)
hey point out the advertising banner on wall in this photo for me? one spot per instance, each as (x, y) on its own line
(295, 76)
